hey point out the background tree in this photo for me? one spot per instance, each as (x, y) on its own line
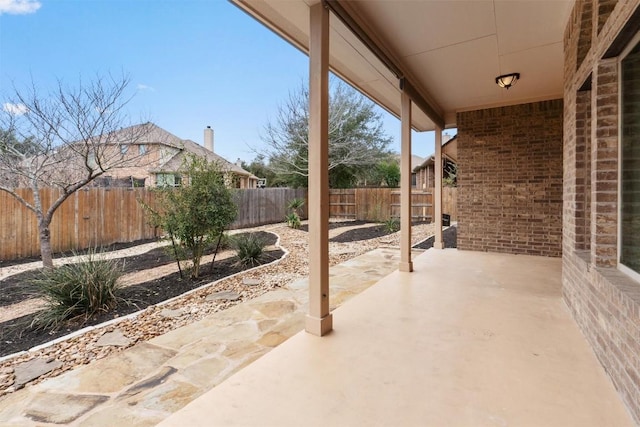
(357, 140)
(260, 168)
(197, 213)
(62, 139)
(388, 173)
(10, 144)
(450, 173)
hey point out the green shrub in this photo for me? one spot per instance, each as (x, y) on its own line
(293, 217)
(195, 214)
(249, 248)
(293, 220)
(392, 225)
(225, 242)
(295, 204)
(78, 290)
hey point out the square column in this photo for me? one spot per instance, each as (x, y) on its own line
(319, 321)
(437, 189)
(405, 185)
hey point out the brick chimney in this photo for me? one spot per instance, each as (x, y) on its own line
(208, 138)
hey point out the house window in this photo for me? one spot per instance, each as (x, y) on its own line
(142, 149)
(630, 160)
(168, 180)
(123, 149)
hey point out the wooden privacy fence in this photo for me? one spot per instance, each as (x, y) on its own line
(365, 204)
(102, 216)
(449, 204)
(266, 205)
(89, 217)
(380, 204)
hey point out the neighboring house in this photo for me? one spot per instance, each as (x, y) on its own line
(155, 160)
(425, 172)
(415, 162)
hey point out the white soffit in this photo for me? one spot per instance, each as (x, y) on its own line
(452, 49)
(413, 27)
(349, 58)
(352, 61)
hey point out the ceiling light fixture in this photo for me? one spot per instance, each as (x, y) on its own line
(507, 80)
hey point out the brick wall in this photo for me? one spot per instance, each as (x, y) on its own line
(586, 28)
(605, 7)
(583, 171)
(604, 161)
(510, 179)
(604, 301)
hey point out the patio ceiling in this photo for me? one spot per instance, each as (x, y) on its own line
(451, 51)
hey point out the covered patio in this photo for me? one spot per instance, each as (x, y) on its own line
(428, 62)
(456, 337)
(467, 339)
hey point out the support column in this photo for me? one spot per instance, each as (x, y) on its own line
(437, 197)
(319, 321)
(405, 185)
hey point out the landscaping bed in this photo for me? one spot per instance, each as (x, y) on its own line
(20, 287)
(18, 334)
(360, 230)
(449, 238)
(188, 308)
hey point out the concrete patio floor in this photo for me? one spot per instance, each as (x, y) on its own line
(467, 339)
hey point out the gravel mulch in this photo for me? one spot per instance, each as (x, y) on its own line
(334, 224)
(106, 248)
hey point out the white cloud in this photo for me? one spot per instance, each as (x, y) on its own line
(19, 7)
(141, 86)
(14, 109)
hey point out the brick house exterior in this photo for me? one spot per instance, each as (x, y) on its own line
(425, 172)
(604, 300)
(156, 157)
(510, 179)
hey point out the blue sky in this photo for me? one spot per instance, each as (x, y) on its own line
(192, 63)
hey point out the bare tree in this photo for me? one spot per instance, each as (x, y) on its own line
(357, 140)
(63, 139)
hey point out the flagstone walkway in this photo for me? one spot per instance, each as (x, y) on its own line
(144, 384)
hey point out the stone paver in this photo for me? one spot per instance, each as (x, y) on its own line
(33, 369)
(46, 407)
(144, 384)
(250, 282)
(115, 338)
(171, 314)
(228, 295)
